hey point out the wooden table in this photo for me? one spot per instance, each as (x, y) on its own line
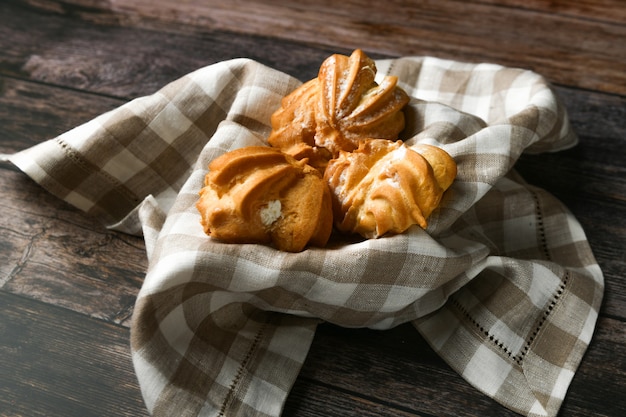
(68, 285)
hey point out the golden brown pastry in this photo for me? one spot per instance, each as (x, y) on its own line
(385, 187)
(335, 158)
(352, 106)
(441, 162)
(293, 126)
(258, 194)
(338, 109)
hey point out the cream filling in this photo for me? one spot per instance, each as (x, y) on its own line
(271, 212)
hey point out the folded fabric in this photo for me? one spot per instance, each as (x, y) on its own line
(502, 284)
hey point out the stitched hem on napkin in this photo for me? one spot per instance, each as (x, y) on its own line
(500, 278)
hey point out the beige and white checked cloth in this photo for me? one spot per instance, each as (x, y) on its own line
(502, 284)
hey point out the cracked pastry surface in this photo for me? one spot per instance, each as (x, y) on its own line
(386, 187)
(259, 194)
(294, 126)
(338, 109)
(352, 106)
(334, 160)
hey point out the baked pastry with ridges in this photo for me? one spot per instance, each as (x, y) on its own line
(353, 107)
(338, 109)
(386, 187)
(444, 167)
(259, 194)
(293, 126)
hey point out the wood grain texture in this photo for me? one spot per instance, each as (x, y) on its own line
(67, 285)
(399, 369)
(396, 368)
(34, 112)
(124, 63)
(58, 363)
(55, 254)
(548, 42)
(602, 10)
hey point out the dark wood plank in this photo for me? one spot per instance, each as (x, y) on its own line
(470, 31)
(605, 10)
(32, 112)
(398, 369)
(596, 116)
(54, 253)
(58, 363)
(304, 401)
(395, 368)
(598, 386)
(125, 62)
(66, 279)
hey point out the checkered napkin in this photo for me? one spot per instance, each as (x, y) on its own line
(502, 284)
